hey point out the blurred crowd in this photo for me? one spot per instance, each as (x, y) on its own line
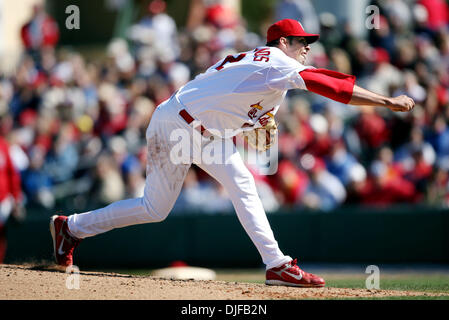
(76, 127)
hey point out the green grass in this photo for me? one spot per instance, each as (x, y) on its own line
(406, 281)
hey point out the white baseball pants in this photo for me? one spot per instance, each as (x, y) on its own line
(165, 178)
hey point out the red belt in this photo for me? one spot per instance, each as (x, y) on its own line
(189, 119)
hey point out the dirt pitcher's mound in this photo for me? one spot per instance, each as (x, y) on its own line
(31, 282)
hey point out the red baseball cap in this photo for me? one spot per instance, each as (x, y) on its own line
(157, 6)
(289, 27)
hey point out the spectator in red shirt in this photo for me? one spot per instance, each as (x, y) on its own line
(321, 143)
(10, 193)
(372, 129)
(387, 185)
(420, 172)
(39, 35)
(437, 13)
(289, 183)
(40, 31)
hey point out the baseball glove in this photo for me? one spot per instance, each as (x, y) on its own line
(262, 138)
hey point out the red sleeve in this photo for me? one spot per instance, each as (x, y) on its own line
(10, 183)
(50, 32)
(330, 84)
(13, 175)
(16, 188)
(25, 35)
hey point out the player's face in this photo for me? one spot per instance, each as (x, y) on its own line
(297, 49)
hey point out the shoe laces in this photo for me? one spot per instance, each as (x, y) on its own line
(294, 265)
(65, 233)
(294, 262)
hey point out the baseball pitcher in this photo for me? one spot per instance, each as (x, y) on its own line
(240, 93)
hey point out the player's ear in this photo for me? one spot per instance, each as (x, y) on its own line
(283, 41)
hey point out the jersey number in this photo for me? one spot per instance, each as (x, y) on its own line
(262, 55)
(230, 59)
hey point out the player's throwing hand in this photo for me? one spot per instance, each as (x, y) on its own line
(364, 97)
(401, 103)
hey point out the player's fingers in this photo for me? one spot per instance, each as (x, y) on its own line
(409, 104)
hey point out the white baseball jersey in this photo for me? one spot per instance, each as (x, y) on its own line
(245, 88)
(242, 89)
